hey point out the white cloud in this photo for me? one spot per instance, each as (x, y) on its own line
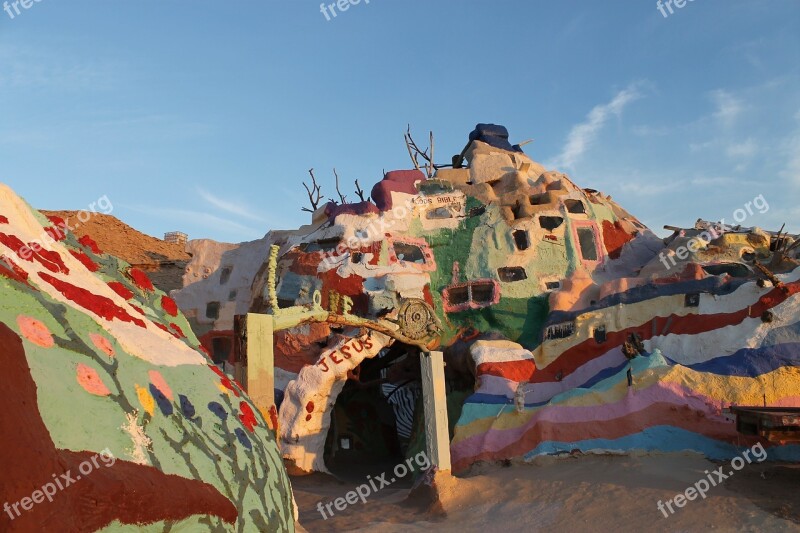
(583, 135)
(29, 68)
(791, 171)
(650, 131)
(712, 181)
(650, 189)
(230, 206)
(199, 219)
(742, 150)
(728, 107)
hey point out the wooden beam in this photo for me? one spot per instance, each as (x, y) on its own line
(261, 361)
(437, 434)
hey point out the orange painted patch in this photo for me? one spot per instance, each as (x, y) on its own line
(615, 237)
(35, 331)
(89, 379)
(146, 400)
(103, 344)
(160, 383)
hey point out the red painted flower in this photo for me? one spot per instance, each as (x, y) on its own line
(169, 305)
(58, 221)
(90, 244)
(99, 305)
(15, 272)
(141, 279)
(178, 331)
(120, 289)
(247, 417)
(225, 380)
(55, 233)
(83, 258)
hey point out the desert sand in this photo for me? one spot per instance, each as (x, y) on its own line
(569, 493)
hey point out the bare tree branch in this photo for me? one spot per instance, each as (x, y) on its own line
(314, 194)
(415, 152)
(360, 192)
(342, 197)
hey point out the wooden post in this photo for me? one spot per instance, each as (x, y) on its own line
(261, 361)
(437, 434)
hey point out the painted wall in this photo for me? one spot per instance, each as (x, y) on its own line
(95, 360)
(566, 275)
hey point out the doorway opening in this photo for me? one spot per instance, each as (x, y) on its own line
(377, 415)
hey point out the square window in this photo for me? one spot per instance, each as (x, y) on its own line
(212, 310)
(575, 207)
(410, 253)
(225, 275)
(521, 239)
(510, 274)
(587, 244)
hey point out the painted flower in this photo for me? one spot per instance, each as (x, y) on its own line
(247, 417)
(89, 379)
(186, 407)
(158, 380)
(102, 344)
(218, 410)
(243, 439)
(146, 399)
(141, 279)
(35, 331)
(169, 305)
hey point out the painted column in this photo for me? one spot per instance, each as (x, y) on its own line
(261, 361)
(434, 397)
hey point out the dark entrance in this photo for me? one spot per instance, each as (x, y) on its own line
(375, 416)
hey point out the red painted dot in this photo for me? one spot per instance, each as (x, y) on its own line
(310, 407)
(90, 244)
(177, 330)
(55, 233)
(83, 258)
(58, 221)
(169, 305)
(120, 289)
(248, 418)
(141, 279)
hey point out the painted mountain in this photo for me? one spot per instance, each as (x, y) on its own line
(566, 323)
(112, 416)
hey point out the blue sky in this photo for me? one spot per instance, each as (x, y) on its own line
(205, 116)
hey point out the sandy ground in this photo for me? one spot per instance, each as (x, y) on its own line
(580, 493)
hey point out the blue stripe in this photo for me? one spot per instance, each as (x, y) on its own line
(710, 285)
(664, 439)
(752, 362)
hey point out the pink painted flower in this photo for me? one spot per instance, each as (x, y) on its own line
(89, 379)
(35, 331)
(160, 383)
(102, 344)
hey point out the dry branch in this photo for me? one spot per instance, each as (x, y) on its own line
(314, 193)
(359, 191)
(342, 197)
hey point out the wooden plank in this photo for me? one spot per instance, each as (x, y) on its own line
(261, 361)
(434, 396)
